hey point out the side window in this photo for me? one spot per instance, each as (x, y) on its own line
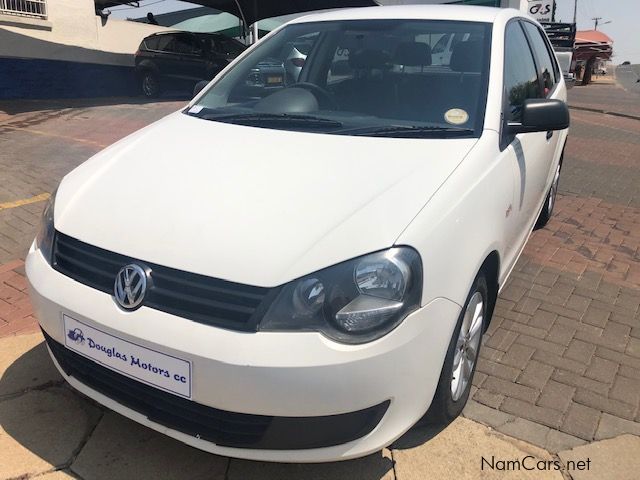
(186, 44)
(457, 38)
(151, 43)
(520, 76)
(546, 68)
(165, 43)
(228, 46)
(441, 44)
(340, 68)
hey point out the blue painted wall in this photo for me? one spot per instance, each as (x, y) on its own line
(41, 78)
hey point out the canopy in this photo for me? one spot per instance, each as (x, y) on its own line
(254, 10)
(226, 24)
(593, 44)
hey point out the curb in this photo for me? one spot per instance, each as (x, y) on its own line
(606, 112)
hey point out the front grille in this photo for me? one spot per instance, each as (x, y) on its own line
(229, 429)
(196, 297)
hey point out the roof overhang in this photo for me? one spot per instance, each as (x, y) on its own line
(253, 10)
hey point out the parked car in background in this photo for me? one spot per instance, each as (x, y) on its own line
(179, 60)
(600, 70)
(338, 246)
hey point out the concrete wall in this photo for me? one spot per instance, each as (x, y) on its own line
(73, 53)
(71, 23)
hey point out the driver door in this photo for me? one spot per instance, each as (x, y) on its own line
(528, 153)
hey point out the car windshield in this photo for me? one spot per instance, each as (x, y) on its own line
(360, 77)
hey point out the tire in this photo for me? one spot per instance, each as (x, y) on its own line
(453, 388)
(150, 84)
(549, 202)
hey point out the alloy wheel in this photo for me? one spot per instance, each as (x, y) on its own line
(554, 191)
(149, 85)
(467, 346)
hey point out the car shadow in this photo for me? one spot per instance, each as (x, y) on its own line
(14, 107)
(37, 418)
(418, 435)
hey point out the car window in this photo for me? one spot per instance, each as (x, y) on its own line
(546, 65)
(227, 46)
(361, 74)
(151, 43)
(165, 43)
(187, 44)
(520, 76)
(441, 44)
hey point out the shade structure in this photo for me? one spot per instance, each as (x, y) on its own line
(593, 44)
(253, 10)
(228, 24)
(223, 22)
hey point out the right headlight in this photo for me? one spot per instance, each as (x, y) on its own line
(44, 238)
(356, 301)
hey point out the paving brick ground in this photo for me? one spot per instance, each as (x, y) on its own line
(560, 364)
(623, 99)
(563, 350)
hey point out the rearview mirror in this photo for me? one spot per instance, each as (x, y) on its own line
(199, 86)
(541, 115)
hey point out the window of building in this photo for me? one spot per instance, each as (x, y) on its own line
(24, 8)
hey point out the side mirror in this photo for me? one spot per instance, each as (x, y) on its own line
(541, 115)
(199, 86)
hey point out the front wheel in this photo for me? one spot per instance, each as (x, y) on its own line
(150, 84)
(550, 201)
(459, 366)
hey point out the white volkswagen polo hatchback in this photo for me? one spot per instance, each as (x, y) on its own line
(298, 269)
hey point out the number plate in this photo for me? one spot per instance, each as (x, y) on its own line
(159, 370)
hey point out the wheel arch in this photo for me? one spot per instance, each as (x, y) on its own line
(491, 269)
(146, 66)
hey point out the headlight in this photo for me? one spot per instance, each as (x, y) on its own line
(353, 302)
(44, 239)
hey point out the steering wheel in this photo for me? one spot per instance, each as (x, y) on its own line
(322, 95)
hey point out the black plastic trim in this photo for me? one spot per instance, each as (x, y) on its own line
(188, 295)
(228, 429)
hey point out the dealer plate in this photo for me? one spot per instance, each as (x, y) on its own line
(154, 368)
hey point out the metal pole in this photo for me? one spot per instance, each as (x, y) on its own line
(244, 20)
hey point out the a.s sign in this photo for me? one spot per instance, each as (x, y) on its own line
(541, 10)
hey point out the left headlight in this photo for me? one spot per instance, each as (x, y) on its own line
(356, 301)
(44, 238)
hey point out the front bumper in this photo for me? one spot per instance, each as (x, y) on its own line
(267, 374)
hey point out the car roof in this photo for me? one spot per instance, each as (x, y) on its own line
(414, 12)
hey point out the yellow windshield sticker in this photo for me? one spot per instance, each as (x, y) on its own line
(456, 116)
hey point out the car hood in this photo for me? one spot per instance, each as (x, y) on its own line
(251, 205)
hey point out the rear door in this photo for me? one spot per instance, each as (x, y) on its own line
(163, 56)
(190, 64)
(528, 153)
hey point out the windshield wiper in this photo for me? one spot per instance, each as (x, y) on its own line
(271, 119)
(405, 131)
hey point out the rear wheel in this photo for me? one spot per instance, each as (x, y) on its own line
(150, 84)
(550, 202)
(462, 356)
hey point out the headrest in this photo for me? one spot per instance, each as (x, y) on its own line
(467, 57)
(368, 59)
(413, 54)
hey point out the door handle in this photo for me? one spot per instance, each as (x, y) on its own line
(549, 134)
